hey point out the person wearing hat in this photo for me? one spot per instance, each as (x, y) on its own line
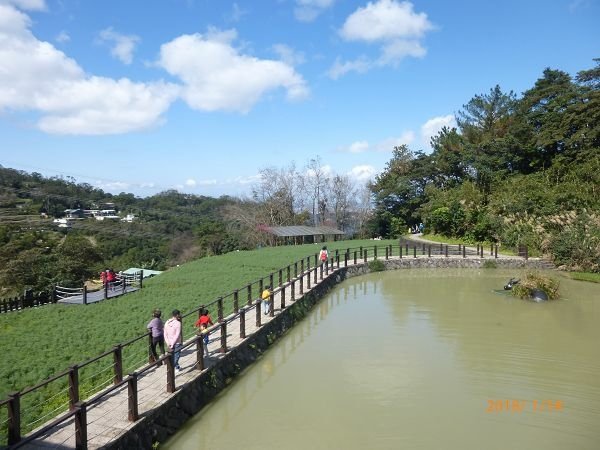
(174, 337)
(156, 326)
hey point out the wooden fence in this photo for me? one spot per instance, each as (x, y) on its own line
(60, 293)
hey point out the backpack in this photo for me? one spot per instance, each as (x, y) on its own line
(323, 255)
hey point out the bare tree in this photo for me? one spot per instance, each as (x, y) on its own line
(317, 181)
(341, 194)
(364, 208)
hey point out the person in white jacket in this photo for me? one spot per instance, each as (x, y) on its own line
(174, 337)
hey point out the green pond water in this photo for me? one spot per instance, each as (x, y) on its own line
(420, 359)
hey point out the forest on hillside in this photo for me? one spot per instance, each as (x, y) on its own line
(515, 170)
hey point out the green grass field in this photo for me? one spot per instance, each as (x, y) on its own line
(585, 276)
(40, 342)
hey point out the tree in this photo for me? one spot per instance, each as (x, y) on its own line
(317, 183)
(341, 195)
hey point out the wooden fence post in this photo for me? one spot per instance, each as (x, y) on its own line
(118, 363)
(288, 273)
(280, 278)
(105, 289)
(141, 278)
(150, 355)
(73, 386)
(387, 253)
(496, 252)
(257, 307)
(14, 418)
(346, 259)
(170, 373)
(223, 337)
(365, 255)
(132, 394)
(81, 426)
(220, 309)
(429, 251)
(321, 271)
(236, 306)
(296, 269)
(200, 352)
(85, 295)
(272, 302)
(375, 252)
(242, 323)
(282, 298)
(249, 301)
(293, 290)
(446, 251)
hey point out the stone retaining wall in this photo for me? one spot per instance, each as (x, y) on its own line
(157, 425)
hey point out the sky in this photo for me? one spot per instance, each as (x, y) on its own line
(143, 96)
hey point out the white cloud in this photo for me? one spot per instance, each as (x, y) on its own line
(35, 76)
(340, 68)
(217, 77)
(28, 5)
(288, 55)
(309, 10)
(387, 145)
(393, 25)
(385, 20)
(190, 182)
(326, 171)
(362, 173)
(433, 126)
(124, 45)
(236, 13)
(250, 179)
(358, 147)
(63, 37)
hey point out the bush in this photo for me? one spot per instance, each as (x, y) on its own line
(534, 281)
(376, 265)
(489, 264)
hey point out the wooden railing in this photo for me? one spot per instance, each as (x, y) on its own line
(32, 300)
(240, 304)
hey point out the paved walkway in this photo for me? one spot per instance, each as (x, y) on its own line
(97, 296)
(107, 419)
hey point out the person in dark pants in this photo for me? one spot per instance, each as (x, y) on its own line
(155, 326)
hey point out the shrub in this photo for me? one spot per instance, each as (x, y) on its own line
(376, 265)
(533, 281)
(489, 264)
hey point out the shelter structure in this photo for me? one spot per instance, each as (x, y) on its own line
(302, 234)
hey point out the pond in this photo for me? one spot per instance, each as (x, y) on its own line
(420, 359)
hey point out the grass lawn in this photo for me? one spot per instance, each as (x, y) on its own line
(40, 342)
(585, 276)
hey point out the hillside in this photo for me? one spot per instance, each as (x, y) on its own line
(168, 229)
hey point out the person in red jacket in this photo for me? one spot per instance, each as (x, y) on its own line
(203, 322)
(111, 277)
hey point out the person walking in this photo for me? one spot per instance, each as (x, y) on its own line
(266, 300)
(174, 337)
(203, 322)
(156, 326)
(323, 255)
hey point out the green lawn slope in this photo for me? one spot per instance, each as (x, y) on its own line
(40, 342)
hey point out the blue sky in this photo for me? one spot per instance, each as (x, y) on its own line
(199, 95)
